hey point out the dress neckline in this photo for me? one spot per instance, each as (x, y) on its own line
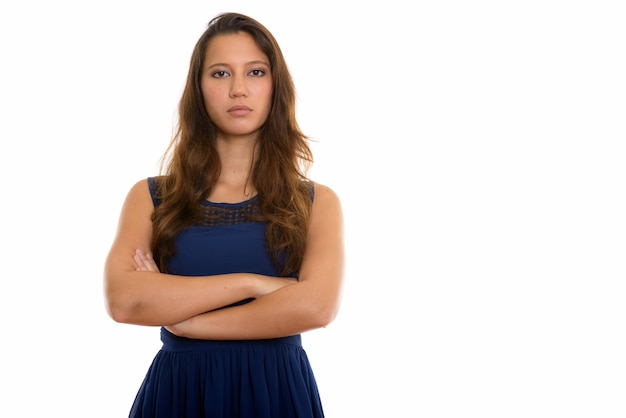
(231, 204)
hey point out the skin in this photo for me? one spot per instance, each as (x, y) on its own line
(236, 73)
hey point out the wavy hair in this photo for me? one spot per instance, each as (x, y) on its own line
(191, 165)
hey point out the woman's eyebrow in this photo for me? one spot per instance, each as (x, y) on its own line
(224, 64)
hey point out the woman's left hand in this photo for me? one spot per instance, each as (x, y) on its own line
(145, 262)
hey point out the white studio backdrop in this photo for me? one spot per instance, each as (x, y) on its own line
(477, 148)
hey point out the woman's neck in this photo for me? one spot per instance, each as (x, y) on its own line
(235, 182)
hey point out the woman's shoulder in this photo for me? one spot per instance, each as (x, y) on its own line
(140, 187)
(326, 215)
(324, 195)
(323, 189)
(142, 190)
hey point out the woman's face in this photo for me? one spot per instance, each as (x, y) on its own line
(236, 84)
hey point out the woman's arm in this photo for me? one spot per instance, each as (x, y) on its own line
(146, 297)
(310, 303)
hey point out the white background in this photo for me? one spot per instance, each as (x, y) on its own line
(477, 148)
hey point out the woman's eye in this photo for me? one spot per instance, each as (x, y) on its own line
(220, 74)
(257, 73)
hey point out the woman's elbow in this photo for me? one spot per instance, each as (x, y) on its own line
(122, 310)
(117, 314)
(325, 314)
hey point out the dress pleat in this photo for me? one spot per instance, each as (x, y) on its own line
(228, 379)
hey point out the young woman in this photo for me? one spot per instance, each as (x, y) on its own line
(233, 251)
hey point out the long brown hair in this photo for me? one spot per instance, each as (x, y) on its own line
(191, 164)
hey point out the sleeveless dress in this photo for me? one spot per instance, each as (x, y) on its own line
(191, 378)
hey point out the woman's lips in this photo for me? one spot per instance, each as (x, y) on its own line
(239, 110)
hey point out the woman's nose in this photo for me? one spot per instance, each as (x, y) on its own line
(238, 87)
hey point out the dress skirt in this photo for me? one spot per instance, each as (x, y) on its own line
(228, 379)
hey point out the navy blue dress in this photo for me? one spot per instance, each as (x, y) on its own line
(191, 378)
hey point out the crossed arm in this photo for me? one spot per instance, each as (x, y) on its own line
(136, 292)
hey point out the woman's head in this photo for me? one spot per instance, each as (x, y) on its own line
(282, 154)
(193, 110)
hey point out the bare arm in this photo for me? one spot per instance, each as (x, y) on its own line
(147, 297)
(312, 302)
